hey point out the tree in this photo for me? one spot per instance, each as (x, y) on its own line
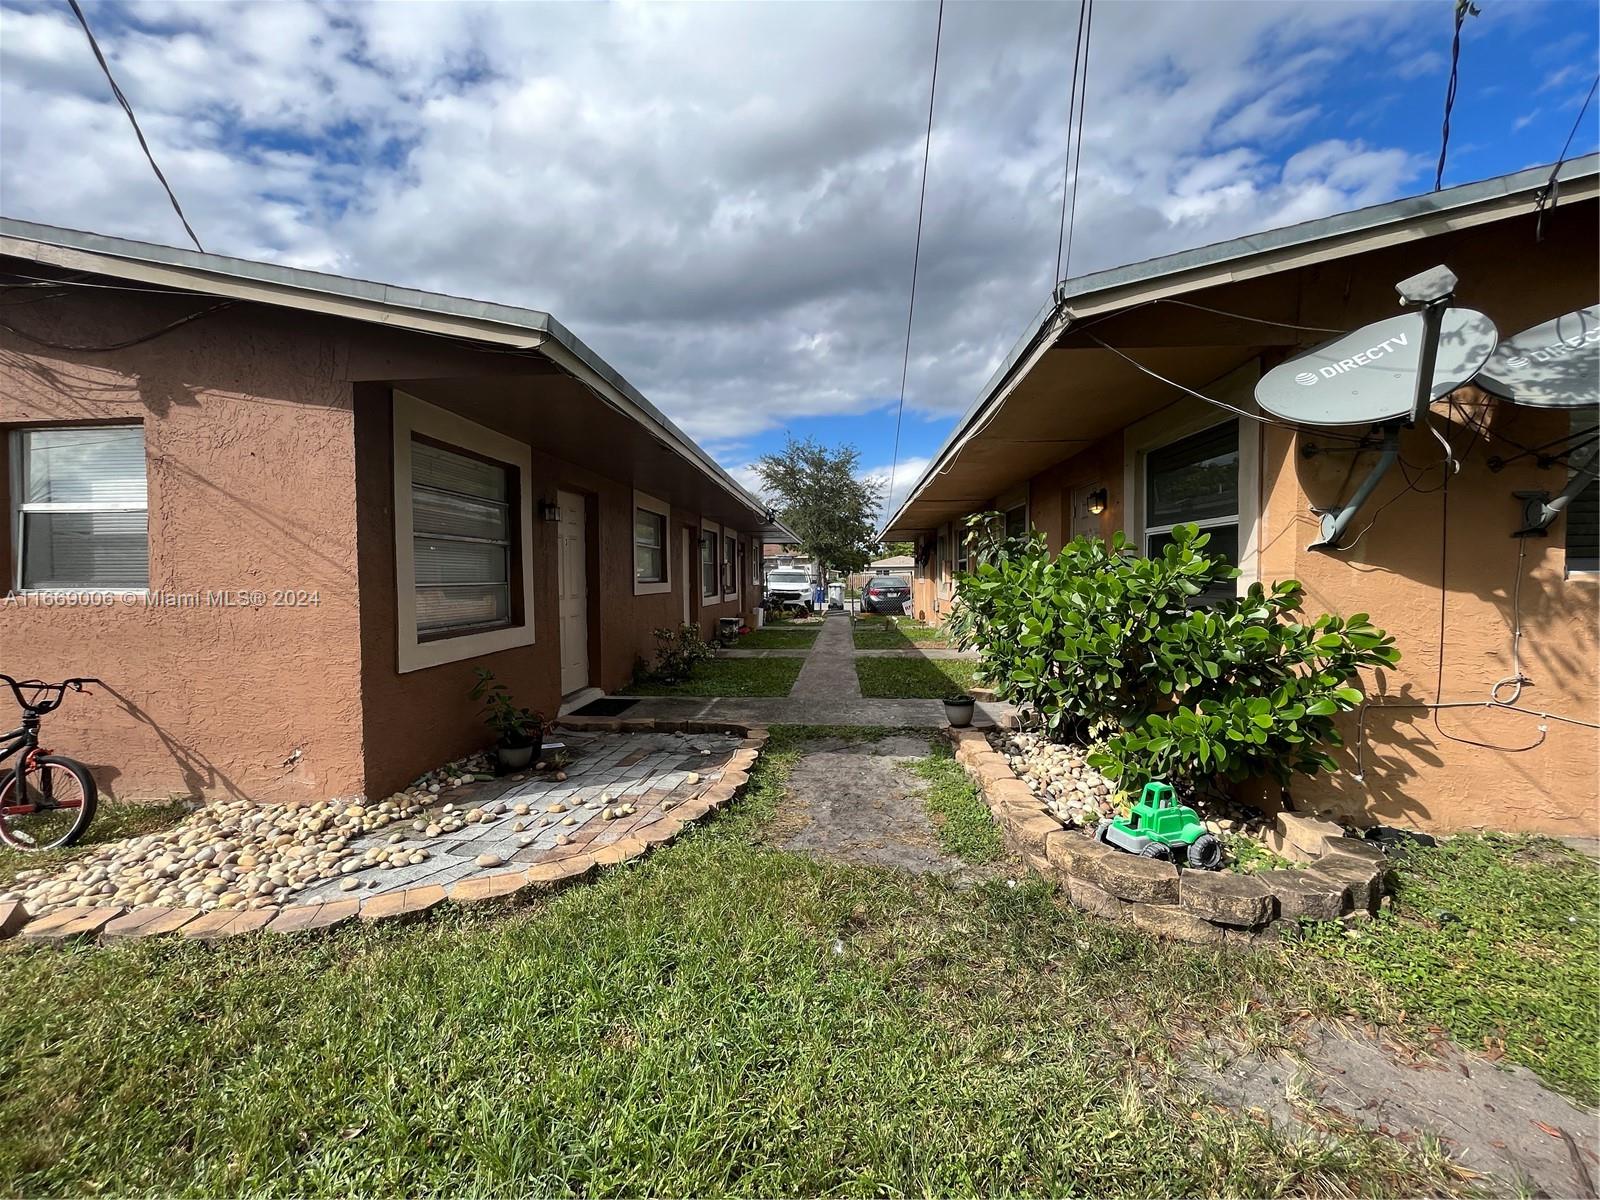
(819, 496)
(899, 549)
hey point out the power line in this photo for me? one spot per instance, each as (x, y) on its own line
(1464, 8)
(1547, 194)
(1066, 158)
(1077, 155)
(122, 345)
(916, 253)
(134, 121)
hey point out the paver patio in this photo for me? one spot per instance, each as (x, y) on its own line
(653, 773)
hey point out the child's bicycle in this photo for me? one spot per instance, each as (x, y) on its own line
(46, 801)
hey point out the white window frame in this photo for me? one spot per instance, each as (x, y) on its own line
(19, 507)
(730, 566)
(413, 416)
(714, 596)
(755, 562)
(663, 510)
(1186, 418)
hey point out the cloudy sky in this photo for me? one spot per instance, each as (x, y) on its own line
(721, 198)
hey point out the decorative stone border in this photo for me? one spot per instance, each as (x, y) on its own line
(1346, 877)
(114, 923)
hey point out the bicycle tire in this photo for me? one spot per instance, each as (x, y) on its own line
(19, 831)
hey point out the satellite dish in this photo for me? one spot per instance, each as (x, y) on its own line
(1554, 365)
(1370, 376)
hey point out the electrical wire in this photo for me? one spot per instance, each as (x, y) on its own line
(1242, 317)
(1077, 154)
(1066, 158)
(121, 99)
(1552, 186)
(1463, 9)
(916, 253)
(122, 345)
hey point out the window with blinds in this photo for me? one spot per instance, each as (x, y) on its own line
(462, 529)
(730, 565)
(81, 505)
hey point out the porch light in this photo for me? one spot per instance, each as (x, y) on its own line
(549, 510)
(1097, 501)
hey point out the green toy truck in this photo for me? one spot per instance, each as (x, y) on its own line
(1158, 826)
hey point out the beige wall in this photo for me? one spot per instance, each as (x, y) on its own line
(251, 474)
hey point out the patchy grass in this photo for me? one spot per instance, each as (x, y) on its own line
(729, 677)
(1493, 940)
(113, 821)
(782, 638)
(723, 1017)
(903, 678)
(965, 827)
(1246, 856)
(891, 633)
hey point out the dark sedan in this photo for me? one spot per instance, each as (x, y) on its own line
(885, 594)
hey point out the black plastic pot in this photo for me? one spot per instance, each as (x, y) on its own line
(958, 711)
(515, 756)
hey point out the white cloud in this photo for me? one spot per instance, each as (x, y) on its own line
(719, 198)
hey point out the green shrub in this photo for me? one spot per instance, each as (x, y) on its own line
(678, 651)
(1115, 649)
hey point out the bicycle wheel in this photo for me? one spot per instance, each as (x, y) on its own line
(56, 807)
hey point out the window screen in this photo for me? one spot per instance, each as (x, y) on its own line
(1195, 481)
(649, 546)
(708, 562)
(461, 536)
(81, 509)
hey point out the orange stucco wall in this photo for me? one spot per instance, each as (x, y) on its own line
(416, 720)
(269, 470)
(251, 472)
(1467, 767)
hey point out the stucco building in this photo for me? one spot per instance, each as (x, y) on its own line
(1141, 379)
(284, 516)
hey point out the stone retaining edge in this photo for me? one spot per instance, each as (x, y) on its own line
(1345, 877)
(111, 924)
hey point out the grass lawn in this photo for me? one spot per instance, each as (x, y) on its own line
(890, 633)
(903, 678)
(112, 822)
(782, 638)
(727, 1017)
(730, 677)
(965, 827)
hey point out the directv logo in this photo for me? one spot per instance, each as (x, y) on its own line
(1365, 358)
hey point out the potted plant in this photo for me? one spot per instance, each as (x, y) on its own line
(958, 711)
(520, 730)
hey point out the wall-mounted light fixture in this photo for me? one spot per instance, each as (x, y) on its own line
(1097, 501)
(549, 510)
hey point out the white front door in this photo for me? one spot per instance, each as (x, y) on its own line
(573, 569)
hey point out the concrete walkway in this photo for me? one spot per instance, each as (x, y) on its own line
(830, 671)
(827, 692)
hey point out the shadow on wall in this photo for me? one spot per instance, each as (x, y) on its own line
(200, 775)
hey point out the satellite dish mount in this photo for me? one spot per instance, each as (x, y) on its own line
(1433, 289)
